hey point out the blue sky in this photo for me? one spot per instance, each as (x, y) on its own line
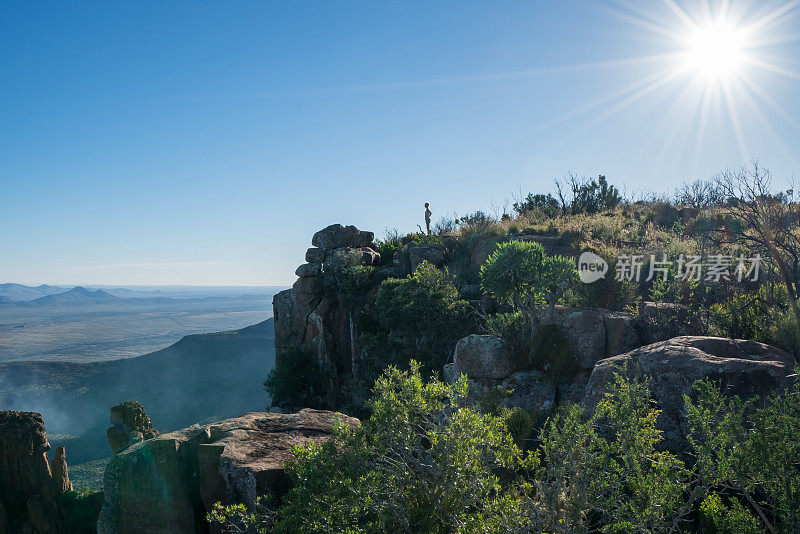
(205, 142)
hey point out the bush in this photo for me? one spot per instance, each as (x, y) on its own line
(421, 463)
(717, 518)
(297, 381)
(522, 273)
(753, 452)
(515, 328)
(423, 310)
(81, 510)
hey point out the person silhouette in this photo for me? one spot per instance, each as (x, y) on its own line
(428, 218)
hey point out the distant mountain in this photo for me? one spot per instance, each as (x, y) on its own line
(201, 377)
(6, 302)
(76, 295)
(22, 293)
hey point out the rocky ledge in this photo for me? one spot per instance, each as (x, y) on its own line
(167, 484)
(744, 368)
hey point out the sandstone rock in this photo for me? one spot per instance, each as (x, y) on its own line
(743, 368)
(130, 424)
(309, 269)
(483, 357)
(168, 483)
(433, 253)
(27, 494)
(315, 255)
(60, 471)
(338, 236)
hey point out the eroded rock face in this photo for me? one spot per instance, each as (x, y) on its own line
(307, 317)
(483, 357)
(27, 490)
(744, 368)
(167, 484)
(130, 424)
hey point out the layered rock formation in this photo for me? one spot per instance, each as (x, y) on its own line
(741, 367)
(167, 484)
(590, 334)
(309, 317)
(28, 488)
(129, 424)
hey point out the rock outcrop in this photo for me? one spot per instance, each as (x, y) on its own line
(167, 484)
(309, 318)
(60, 471)
(483, 357)
(28, 491)
(744, 368)
(129, 424)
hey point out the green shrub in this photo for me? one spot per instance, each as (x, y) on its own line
(422, 310)
(298, 381)
(522, 273)
(717, 518)
(420, 463)
(753, 452)
(81, 510)
(515, 328)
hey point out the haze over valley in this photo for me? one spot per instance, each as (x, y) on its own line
(83, 324)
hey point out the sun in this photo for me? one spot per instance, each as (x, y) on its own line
(716, 51)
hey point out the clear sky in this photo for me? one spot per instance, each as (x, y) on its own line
(204, 142)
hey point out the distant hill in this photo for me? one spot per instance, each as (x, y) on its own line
(201, 377)
(76, 295)
(22, 293)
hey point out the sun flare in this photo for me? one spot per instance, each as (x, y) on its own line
(715, 51)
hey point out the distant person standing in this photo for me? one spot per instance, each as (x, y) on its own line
(428, 218)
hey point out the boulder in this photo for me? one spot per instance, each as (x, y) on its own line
(27, 494)
(483, 357)
(433, 253)
(595, 333)
(338, 236)
(309, 269)
(167, 484)
(315, 255)
(129, 424)
(744, 368)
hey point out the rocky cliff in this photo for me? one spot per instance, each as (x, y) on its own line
(168, 483)
(29, 489)
(312, 316)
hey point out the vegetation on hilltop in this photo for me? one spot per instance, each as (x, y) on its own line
(427, 460)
